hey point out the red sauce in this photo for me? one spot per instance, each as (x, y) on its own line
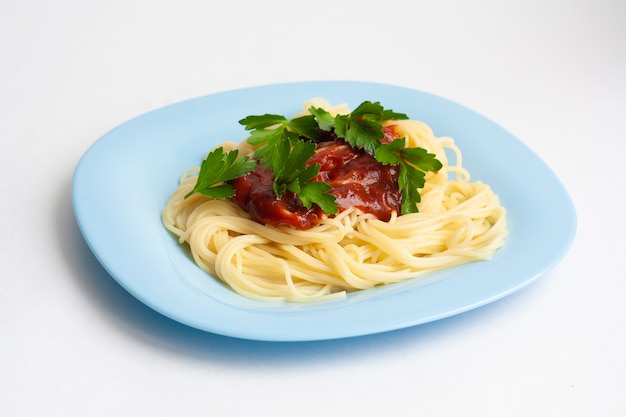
(358, 180)
(254, 193)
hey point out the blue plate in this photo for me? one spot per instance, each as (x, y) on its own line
(123, 181)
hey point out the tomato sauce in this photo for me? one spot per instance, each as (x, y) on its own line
(358, 180)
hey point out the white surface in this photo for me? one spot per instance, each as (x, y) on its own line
(73, 343)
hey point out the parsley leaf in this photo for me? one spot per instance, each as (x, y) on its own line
(363, 128)
(290, 173)
(305, 126)
(364, 132)
(267, 142)
(323, 118)
(392, 115)
(262, 121)
(288, 162)
(317, 192)
(409, 180)
(413, 163)
(270, 130)
(420, 158)
(217, 168)
(389, 153)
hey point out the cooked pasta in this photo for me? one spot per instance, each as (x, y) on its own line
(458, 221)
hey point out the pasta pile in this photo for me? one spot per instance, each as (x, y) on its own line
(459, 221)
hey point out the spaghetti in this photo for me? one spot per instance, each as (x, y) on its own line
(458, 221)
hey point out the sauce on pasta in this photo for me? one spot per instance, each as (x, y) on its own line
(357, 180)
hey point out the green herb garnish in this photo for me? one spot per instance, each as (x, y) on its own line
(363, 127)
(290, 173)
(414, 163)
(269, 131)
(286, 145)
(217, 168)
(281, 148)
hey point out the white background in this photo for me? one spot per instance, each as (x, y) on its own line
(74, 343)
